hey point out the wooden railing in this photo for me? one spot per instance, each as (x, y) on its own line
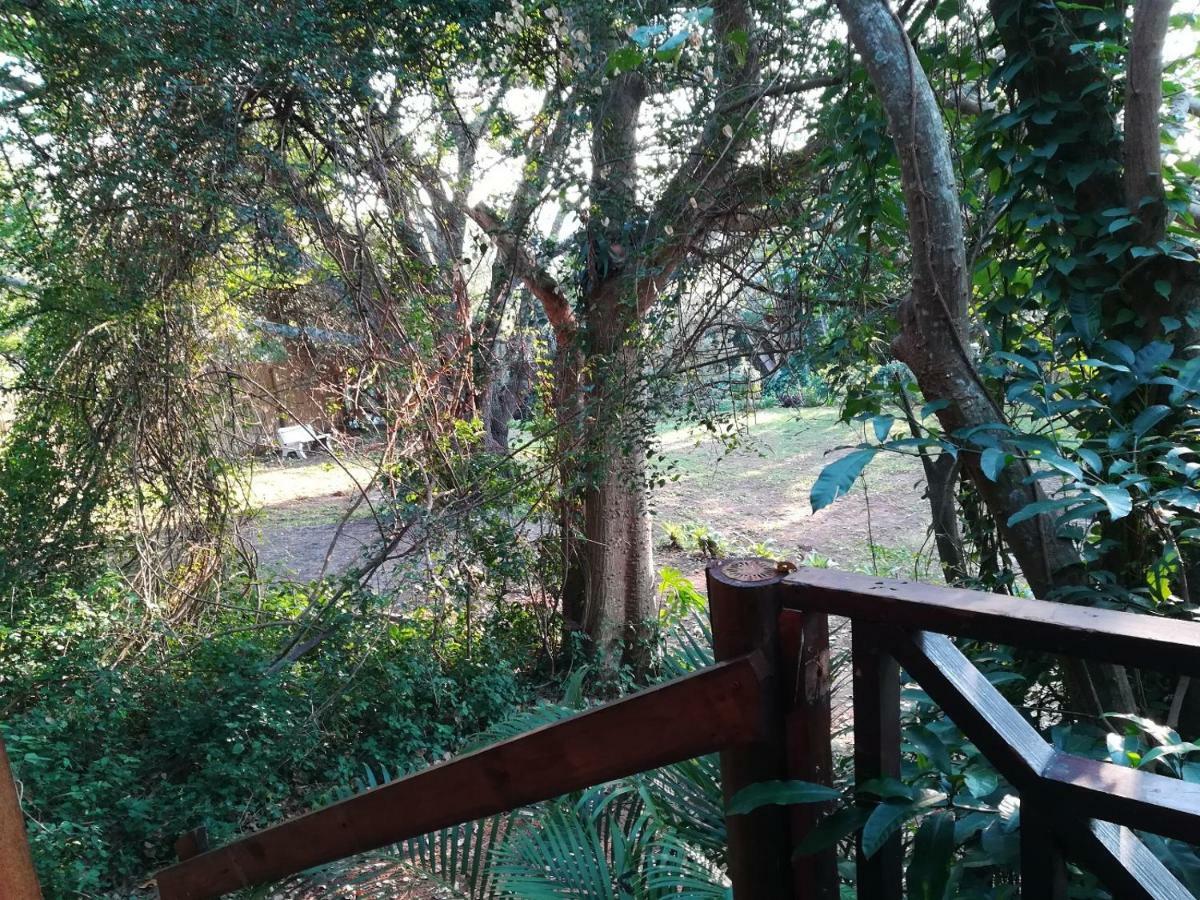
(765, 706)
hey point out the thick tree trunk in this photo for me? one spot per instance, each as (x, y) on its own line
(933, 322)
(619, 606)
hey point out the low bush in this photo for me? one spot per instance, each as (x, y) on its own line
(117, 756)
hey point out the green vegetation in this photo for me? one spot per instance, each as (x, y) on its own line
(118, 759)
(912, 292)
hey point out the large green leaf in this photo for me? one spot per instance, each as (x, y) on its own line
(782, 793)
(932, 857)
(992, 461)
(1115, 498)
(888, 817)
(833, 828)
(837, 477)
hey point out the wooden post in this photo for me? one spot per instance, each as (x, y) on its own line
(18, 880)
(1043, 870)
(808, 721)
(876, 750)
(744, 608)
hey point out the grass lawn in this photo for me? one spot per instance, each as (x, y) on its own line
(758, 494)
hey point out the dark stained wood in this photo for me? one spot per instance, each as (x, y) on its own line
(1043, 869)
(808, 723)
(1131, 639)
(1119, 859)
(1070, 788)
(1141, 800)
(1007, 739)
(744, 608)
(192, 843)
(18, 879)
(876, 749)
(701, 713)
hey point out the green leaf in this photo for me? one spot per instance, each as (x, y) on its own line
(779, 793)
(884, 822)
(1117, 499)
(1029, 510)
(882, 426)
(885, 788)
(935, 406)
(933, 855)
(1085, 316)
(624, 59)
(740, 42)
(833, 828)
(1056, 462)
(1149, 417)
(992, 461)
(1163, 287)
(643, 35)
(837, 477)
(1091, 459)
(1184, 747)
(1188, 381)
(930, 746)
(887, 818)
(980, 779)
(672, 46)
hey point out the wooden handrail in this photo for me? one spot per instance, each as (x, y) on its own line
(1103, 635)
(17, 877)
(762, 706)
(645, 731)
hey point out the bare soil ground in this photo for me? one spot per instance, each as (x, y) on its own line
(754, 498)
(364, 879)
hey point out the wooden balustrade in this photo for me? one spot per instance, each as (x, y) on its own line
(1071, 806)
(710, 710)
(765, 707)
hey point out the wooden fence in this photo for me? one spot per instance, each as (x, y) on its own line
(765, 707)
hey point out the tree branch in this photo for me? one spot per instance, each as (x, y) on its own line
(540, 282)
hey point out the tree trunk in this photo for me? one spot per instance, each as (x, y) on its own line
(619, 605)
(933, 323)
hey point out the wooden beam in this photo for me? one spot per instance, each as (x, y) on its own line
(1119, 859)
(17, 876)
(1043, 868)
(1143, 641)
(1006, 738)
(876, 750)
(1068, 788)
(744, 609)
(807, 688)
(1141, 800)
(701, 713)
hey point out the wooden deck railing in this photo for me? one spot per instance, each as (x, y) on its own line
(765, 706)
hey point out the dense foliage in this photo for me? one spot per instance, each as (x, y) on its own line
(121, 750)
(508, 240)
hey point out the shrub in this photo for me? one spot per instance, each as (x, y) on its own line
(116, 758)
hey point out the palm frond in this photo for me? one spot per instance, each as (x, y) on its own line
(562, 855)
